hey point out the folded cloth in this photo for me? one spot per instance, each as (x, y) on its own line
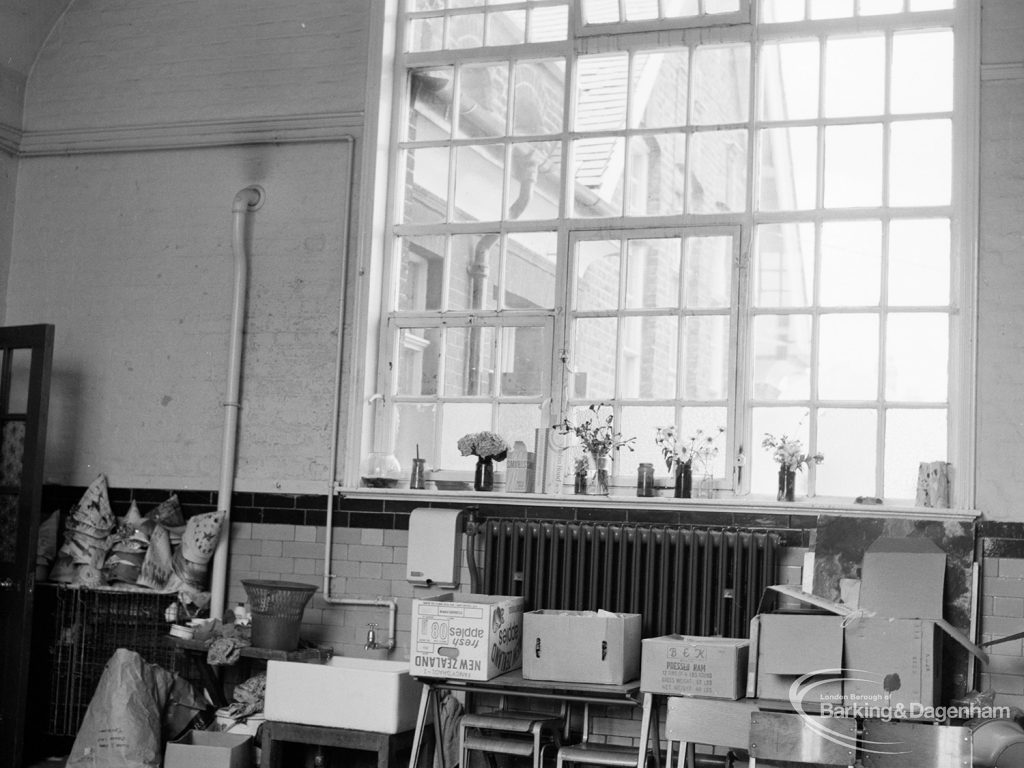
(224, 650)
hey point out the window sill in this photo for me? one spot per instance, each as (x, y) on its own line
(759, 505)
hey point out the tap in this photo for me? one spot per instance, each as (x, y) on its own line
(371, 637)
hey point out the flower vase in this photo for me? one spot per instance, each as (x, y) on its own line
(483, 480)
(787, 484)
(684, 481)
(706, 486)
(597, 477)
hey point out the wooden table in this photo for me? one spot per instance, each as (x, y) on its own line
(275, 734)
(514, 684)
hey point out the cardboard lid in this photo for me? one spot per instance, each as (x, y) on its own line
(904, 546)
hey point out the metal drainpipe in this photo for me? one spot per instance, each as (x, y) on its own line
(247, 201)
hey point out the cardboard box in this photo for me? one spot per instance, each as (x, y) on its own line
(893, 663)
(681, 665)
(792, 645)
(209, 749)
(581, 646)
(466, 637)
(903, 578)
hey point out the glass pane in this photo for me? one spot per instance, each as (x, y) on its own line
(851, 263)
(474, 272)
(787, 169)
(911, 436)
(644, 423)
(764, 471)
(782, 357)
(600, 11)
(430, 99)
(705, 357)
(12, 452)
(525, 360)
(789, 80)
(922, 71)
(917, 357)
(658, 88)
(707, 275)
(518, 422)
(506, 28)
(853, 165)
(784, 265)
(425, 34)
(479, 173)
(597, 171)
(21, 372)
(657, 174)
(647, 366)
(601, 91)
(848, 357)
(776, 11)
(415, 428)
(678, 8)
(419, 361)
(652, 273)
(721, 6)
(530, 270)
(921, 163)
(483, 99)
(426, 186)
(704, 427)
(831, 9)
(931, 5)
(594, 358)
(471, 358)
(548, 24)
(878, 7)
(597, 274)
(465, 31)
(721, 84)
(854, 75)
(535, 183)
(538, 97)
(458, 419)
(848, 439)
(639, 10)
(919, 262)
(718, 164)
(421, 272)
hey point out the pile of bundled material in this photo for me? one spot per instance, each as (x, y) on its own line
(159, 550)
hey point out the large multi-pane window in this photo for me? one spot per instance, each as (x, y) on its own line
(714, 214)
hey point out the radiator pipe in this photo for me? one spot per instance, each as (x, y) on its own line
(247, 202)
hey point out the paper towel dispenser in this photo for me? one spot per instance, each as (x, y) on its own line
(435, 547)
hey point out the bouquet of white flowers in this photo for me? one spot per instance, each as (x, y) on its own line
(484, 445)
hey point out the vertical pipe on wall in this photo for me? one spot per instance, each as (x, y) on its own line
(247, 201)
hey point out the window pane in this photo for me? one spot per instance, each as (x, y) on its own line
(465, 31)
(922, 71)
(601, 92)
(787, 169)
(848, 439)
(931, 5)
(782, 357)
(789, 80)
(419, 361)
(777, 11)
(430, 98)
(479, 173)
(525, 360)
(911, 436)
(721, 6)
(656, 174)
(648, 360)
(535, 180)
(425, 34)
(705, 357)
(878, 7)
(700, 423)
(597, 170)
(652, 273)
(600, 11)
(594, 358)
(421, 273)
(851, 263)
(718, 166)
(783, 265)
(483, 95)
(426, 185)
(921, 163)
(721, 84)
(530, 270)
(518, 422)
(470, 361)
(548, 23)
(658, 88)
(848, 357)
(458, 419)
(643, 423)
(854, 75)
(506, 27)
(853, 166)
(831, 9)
(597, 274)
(919, 262)
(415, 427)
(638, 10)
(539, 94)
(473, 273)
(764, 471)
(917, 357)
(707, 276)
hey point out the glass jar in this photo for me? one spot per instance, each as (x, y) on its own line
(380, 469)
(645, 479)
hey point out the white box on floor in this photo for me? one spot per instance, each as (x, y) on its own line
(209, 749)
(581, 646)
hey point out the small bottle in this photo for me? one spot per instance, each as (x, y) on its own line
(416, 479)
(645, 479)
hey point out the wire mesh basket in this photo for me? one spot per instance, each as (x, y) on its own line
(277, 608)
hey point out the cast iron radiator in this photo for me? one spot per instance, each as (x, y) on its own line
(690, 581)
